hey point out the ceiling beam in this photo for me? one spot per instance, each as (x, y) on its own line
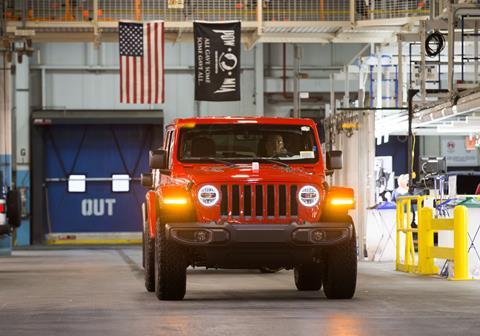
(369, 31)
(446, 110)
(295, 38)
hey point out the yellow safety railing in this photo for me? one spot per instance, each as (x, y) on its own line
(428, 224)
(404, 214)
(427, 252)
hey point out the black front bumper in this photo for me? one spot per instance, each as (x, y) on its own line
(226, 234)
(257, 245)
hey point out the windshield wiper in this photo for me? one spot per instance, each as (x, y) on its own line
(210, 158)
(277, 162)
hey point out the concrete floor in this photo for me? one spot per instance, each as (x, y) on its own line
(100, 292)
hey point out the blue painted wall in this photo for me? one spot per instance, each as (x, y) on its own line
(97, 151)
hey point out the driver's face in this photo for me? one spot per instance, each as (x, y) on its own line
(279, 143)
(276, 146)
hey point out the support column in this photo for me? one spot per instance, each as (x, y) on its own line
(361, 85)
(5, 141)
(259, 81)
(22, 143)
(332, 94)
(367, 175)
(297, 56)
(371, 180)
(451, 46)
(423, 66)
(352, 12)
(475, 52)
(400, 71)
(138, 10)
(346, 96)
(387, 83)
(95, 21)
(379, 94)
(362, 157)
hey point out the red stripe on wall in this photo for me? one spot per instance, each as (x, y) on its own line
(127, 61)
(121, 79)
(142, 81)
(149, 52)
(134, 64)
(156, 63)
(163, 62)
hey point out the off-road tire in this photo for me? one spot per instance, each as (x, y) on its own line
(148, 259)
(308, 277)
(340, 271)
(170, 267)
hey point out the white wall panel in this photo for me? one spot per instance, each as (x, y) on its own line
(79, 76)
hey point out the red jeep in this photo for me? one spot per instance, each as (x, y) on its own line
(247, 193)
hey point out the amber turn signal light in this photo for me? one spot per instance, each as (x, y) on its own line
(175, 201)
(342, 201)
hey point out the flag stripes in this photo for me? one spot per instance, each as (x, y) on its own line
(141, 62)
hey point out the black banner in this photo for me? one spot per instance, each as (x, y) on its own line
(217, 61)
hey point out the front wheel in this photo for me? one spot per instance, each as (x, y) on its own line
(340, 272)
(170, 267)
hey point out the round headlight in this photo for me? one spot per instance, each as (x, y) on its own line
(208, 195)
(309, 196)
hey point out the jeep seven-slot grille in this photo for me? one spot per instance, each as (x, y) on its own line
(259, 201)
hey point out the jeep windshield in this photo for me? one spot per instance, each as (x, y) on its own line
(244, 143)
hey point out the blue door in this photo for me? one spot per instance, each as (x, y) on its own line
(92, 175)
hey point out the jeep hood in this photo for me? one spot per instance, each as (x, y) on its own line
(244, 173)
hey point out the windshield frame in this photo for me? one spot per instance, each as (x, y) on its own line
(246, 160)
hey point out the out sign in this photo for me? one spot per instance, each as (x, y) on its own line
(98, 207)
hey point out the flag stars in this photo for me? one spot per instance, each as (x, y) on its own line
(131, 39)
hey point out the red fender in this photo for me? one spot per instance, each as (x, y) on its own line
(152, 212)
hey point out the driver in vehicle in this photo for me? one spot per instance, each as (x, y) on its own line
(275, 146)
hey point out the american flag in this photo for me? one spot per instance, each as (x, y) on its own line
(142, 62)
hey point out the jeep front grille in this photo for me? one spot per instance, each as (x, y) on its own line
(253, 202)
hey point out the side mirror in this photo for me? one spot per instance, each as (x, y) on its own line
(147, 180)
(14, 208)
(334, 160)
(158, 159)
